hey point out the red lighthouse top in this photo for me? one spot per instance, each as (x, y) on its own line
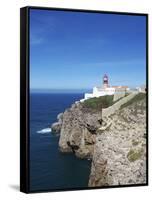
(105, 79)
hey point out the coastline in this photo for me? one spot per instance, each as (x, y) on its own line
(82, 133)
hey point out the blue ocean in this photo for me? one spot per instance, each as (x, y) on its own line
(49, 168)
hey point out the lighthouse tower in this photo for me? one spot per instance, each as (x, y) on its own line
(105, 81)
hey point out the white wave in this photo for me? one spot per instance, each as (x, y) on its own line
(45, 130)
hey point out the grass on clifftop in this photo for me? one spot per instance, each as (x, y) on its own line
(135, 99)
(97, 103)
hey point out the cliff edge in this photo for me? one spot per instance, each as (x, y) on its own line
(111, 134)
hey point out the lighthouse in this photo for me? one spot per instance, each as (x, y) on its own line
(106, 89)
(105, 81)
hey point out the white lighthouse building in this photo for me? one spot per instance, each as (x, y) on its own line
(105, 89)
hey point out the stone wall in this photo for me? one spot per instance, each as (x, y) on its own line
(112, 109)
(119, 95)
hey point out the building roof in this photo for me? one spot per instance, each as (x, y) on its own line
(120, 86)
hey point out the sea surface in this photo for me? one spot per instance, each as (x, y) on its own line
(49, 168)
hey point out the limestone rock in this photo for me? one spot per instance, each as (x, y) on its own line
(78, 131)
(119, 156)
(60, 117)
(56, 127)
(113, 138)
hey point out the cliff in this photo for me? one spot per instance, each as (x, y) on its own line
(112, 135)
(78, 131)
(119, 156)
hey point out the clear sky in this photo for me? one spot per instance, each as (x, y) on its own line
(71, 50)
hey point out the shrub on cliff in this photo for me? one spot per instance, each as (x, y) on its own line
(97, 103)
(134, 155)
(137, 98)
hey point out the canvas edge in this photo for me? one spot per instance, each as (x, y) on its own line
(24, 98)
(24, 110)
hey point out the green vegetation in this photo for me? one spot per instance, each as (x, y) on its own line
(135, 143)
(97, 103)
(135, 99)
(134, 155)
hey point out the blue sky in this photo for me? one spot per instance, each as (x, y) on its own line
(71, 50)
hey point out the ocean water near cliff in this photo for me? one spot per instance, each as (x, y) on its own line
(49, 168)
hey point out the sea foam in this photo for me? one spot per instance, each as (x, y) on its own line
(45, 130)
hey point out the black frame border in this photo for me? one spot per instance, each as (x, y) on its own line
(25, 99)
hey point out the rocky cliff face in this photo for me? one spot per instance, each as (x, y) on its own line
(119, 156)
(116, 144)
(78, 131)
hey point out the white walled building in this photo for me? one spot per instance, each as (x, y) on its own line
(105, 89)
(142, 88)
(97, 92)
